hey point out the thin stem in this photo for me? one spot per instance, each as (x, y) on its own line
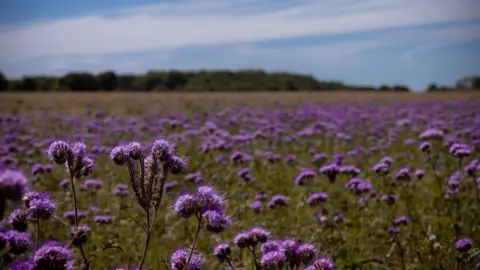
(38, 232)
(230, 263)
(72, 184)
(254, 257)
(401, 252)
(199, 226)
(147, 240)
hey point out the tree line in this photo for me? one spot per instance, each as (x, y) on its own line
(201, 80)
(176, 80)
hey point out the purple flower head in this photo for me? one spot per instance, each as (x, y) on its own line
(472, 168)
(18, 242)
(319, 159)
(243, 240)
(381, 168)
(261, 196)
(41, 208)
(120, 190)
(93, 184)
(425, 147)
(70, 215)
(103, 219)
(419, 174)
(12, 184)
(162, 150)
(59, 152)
(257, 206)
(195, 177)
(18, 220)
(330, 170)
(207, 199)
(22, 265)
(403, 174)
(177, 165)
(186, 206)
(65, 183)
(179, 260)
(304, 174)
(37, 169)
(393, 230)
(459, 150)
(258, 235)
(290, 159)
(306, 253)
(463, 244)
(52, 257)
(387, 160)
(278, 200)
(349, 170)
(389, 198)
(118, 154)
(79, 235)
(323, 263)
(274, 259)
(269, 246)
(134, 150)
(79, 149)
(317, 198)
(401, 220)
(216, 222)
(290, 247)
(431, 134)
(245, 174)
(222, 251)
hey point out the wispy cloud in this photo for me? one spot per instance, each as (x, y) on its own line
(207, 23)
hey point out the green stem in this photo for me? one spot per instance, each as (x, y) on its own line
(199, 226)
(72, 184)
(147, 241)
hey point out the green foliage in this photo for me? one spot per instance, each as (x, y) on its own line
(3, 82)
(176, 80)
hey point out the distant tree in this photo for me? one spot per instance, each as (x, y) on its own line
(79, 82)
(385, 87)
(401, 88)
(432, 87)
(29, 84)
(126, 82)
(175, 79)
(107, 80)
(152, 80)
(3, 82)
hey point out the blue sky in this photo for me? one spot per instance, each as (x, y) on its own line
(412, 42)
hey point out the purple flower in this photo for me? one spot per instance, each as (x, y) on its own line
(273, 260)
(243, 240)
(22, 265)
(222, 251)
(278, 200)
(306, 253)
(269, 246)
(120, 190)
(207, 199)
(389, 198)
(177, 165)
(12, 184)
(93, 184)
(179, 260)
(70, 215)
(52, 257)
(304, 174)
(18, 220)
(79, 235)
(330, 170)
(431, 134)
(317, 198)
(134, 150)
(41, 208)
(162, 150)
(18, 242)
(256, 206)
(403, 174)
(401, 220)
(186, 206)
(323, 263)
(59, 152)
(425, 147)
(419, 174)
(118, 154)
(463, 244)
(103, 219)
(216, 222)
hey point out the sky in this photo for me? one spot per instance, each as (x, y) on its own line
(370, 42)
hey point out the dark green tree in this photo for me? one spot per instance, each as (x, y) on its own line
(3, 82)
(107, 81)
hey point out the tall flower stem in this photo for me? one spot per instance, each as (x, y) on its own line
(254, 257)
(199, 226)
(74, 194)
(230, 263)
(147, 240)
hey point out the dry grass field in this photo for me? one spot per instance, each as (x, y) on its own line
(127, 102)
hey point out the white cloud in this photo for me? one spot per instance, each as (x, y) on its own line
(203, 22)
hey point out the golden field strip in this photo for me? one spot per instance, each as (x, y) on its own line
(124, 102)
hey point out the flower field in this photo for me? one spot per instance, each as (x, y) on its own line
(266, 181)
